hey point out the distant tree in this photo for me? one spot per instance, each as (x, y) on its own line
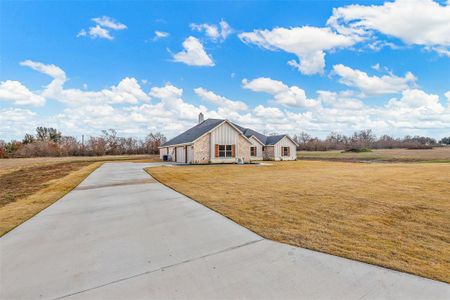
(2, 149)
(28, 139)
(302, 139)
(112, 141)
(69, 146)
(445, 141)
(153, 141)
(12, 147)
(48, 134)
(362, 139)
(96, 146)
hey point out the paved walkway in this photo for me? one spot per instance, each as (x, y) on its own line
(121, 235)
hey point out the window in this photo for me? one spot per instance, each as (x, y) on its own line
(285, 151)
(225, 150)
(253, 151)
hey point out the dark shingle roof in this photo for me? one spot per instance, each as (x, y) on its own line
(249, 132)
(194, 133)
(272, 140)
(200, 129)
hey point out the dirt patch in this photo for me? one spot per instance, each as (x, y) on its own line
(26, 181)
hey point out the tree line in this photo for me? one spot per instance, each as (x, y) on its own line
(49, 141)
(365, 139)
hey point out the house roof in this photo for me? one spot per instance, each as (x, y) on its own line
(273, 139)
(194, 133)
(200, 129)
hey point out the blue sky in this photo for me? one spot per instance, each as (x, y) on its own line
(274, 66)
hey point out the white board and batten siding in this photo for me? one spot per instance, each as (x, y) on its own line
(224, 134)
(259, 151)
(285, 142)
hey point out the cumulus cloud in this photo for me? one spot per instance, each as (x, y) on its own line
(308, 43)
(16, 121)
(268, 112)
(217, 33)
(373, 85)
(193, 54)
(16, 92)
(171, 98)
(417, 102)
(220, 101)
(87, 112)
(102, 29)
(127, 91)
(415, 22)
(292, 96)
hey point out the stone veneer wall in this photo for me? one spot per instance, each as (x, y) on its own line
(269, 153)
(202, 150)
(243, 149)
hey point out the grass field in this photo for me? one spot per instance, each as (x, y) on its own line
(29, 185)
(440, 154)
(394, 215)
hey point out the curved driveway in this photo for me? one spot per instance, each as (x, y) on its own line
(122, 235)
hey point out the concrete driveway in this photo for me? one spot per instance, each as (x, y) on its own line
(122, 235)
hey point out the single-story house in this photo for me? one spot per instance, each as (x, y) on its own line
(221, 141)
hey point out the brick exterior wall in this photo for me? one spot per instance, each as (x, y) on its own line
(202, 150)
(269, 153)
(243, 149)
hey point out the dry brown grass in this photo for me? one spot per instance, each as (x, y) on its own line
(28, 185)
(438, 154)
(16, 212)
(392, 215)
(13, 164)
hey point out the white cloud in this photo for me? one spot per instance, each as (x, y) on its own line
(193, 54)
(160, 35)
(415, 22)
(268, 112)
(102, 29)
(215, 33)
(448, 96)
(11, 90)
(16, 122)
(127, 91)
(99, 32)
(373, 85)
(171, 98)
(50, 70)
(417, 102)
(442, 51)
(343, 100)
(110, 23)
(289, 96)
(82, 32)
(308, 43)
(413, 112)
(220, 100)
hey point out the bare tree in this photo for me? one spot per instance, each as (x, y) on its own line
(153, 141)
